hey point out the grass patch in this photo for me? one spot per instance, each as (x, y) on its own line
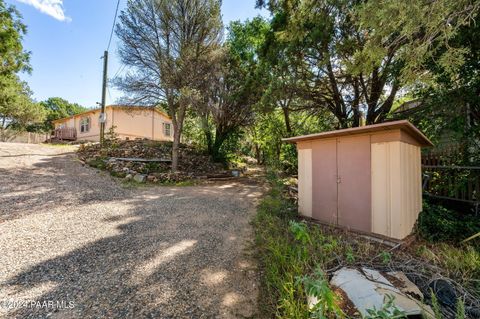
(443, 231)
(296, 258)
(460, 263)
(65, 146)
(179, 183)
(130, 183)
(118, 174)
(289, 252)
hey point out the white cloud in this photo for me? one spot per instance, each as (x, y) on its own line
(53, 8)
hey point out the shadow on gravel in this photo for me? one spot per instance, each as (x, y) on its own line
(20, 155)
(178, 253)
(51, 181)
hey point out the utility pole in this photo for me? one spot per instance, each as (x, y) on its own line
(103, 116)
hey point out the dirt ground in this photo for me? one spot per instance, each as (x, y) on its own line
(76, 243)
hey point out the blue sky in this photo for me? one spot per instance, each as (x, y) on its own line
(68, 37)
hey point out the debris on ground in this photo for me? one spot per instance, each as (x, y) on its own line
(369, 289)
(412, 275)
(150, 161)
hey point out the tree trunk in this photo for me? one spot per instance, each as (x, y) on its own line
(257, 153)
(3, 134)
(220, 137)
(177, 122)
(175, 147)
(286, 115)
(342, 121)
(356, 104)
(356, 116)
(208, 134)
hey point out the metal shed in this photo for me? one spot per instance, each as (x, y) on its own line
(365, 178)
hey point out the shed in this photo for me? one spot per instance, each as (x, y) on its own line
(365, 178)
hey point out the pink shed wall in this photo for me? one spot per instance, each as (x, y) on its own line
(369, 182)
(324, 181)
(354, 182)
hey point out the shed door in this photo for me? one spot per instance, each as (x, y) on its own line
(324, 181)
(354, 184)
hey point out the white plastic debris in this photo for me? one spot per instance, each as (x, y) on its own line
(368, 289)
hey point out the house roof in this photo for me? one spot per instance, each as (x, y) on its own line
(116, 107)
(375, 128)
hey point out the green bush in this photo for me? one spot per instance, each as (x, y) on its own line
(437, 223)
(153, 167)
(97, 162)
(328, 302)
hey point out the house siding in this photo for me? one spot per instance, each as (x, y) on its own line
(129, 123)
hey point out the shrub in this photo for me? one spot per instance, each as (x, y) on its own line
(437, 223)
(153, 167)
(388, 311)
(327, 301)
(97, 162)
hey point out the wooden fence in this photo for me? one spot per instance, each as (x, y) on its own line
(28, 137)
(443, 178)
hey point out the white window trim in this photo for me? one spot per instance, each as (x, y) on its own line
(88, 124)
(169, 125)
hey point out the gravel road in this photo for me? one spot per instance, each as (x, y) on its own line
(76, 243)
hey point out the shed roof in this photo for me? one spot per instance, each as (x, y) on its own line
(403, 125)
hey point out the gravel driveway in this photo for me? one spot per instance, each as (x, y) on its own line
(76, 243)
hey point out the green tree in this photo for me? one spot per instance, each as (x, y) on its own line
(354, 57)
(57, 108)
(264, 137)
(12, 55)
(170, 46)
(420, 33)
(448, 110)
(17, 109)
(312, 45)
(234, 87)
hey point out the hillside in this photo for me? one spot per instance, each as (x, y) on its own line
(147, 160)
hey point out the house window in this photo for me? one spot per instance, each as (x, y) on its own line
(167, 129)
(84, 124)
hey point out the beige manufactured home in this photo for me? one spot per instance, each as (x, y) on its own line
(366, 178)
(129, 122)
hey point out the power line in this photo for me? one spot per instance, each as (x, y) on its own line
(109, 94)
(120, 69)
(113, 26)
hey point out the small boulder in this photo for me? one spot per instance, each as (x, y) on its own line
(129, 176)
(140, 178)
(151, 178)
